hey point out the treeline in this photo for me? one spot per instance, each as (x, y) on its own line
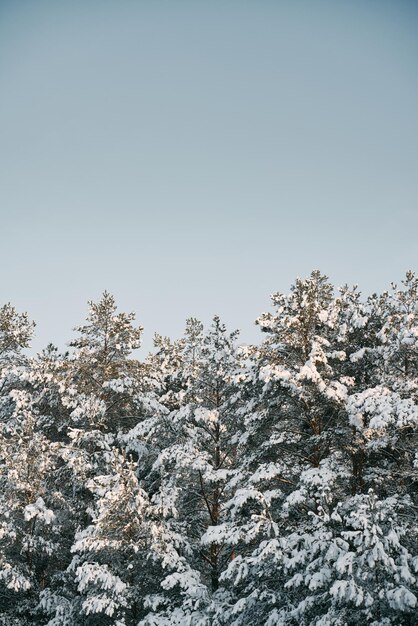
(214, 484)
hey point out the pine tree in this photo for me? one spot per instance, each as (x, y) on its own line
(309, 398)
(33, 517)
(16, 331)
(102, 391)
(197, 436)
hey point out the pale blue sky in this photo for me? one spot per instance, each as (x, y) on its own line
(193, 157)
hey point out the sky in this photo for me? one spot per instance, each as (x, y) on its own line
(193, 157)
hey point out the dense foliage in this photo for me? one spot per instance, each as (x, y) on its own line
(215, 484)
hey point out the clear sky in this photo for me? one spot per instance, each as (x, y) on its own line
(192, 157)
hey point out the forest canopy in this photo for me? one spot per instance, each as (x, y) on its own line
(212, 483)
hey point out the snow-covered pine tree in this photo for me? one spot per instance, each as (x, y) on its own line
(32, 515)
(104, 391)
(296, 510)
(196, 437)
(102, 368)
(101, 388)
(16, 331)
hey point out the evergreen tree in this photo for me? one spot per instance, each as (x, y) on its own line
(198, 433)
(308, 400)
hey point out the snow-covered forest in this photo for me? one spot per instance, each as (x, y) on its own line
(214, 483)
